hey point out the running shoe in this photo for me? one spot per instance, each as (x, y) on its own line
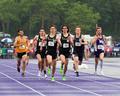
(101, 72)
(63, 78)
(39, 74)
(45, 75)
(77, 74)
(52, 79)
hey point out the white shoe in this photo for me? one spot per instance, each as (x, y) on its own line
(83, 66)
(45, 76)
(39, 74)
(102, 73)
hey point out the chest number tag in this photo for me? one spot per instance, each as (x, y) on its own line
(101, 47)
(77, 44)
(65, 45)
(22, 47)
(50, 43)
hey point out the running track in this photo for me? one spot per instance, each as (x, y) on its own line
(12, 84)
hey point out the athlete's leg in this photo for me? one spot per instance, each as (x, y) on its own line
(18, 64)
(101, 62)
(44, 67)
(27, 61)
(53, 68)
(76, 63)
(39, 64)
(96, 64)
(49, 62)
(24, 58)
(63, 60)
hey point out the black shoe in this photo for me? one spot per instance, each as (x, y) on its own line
(23, 74)
(18, 69)
(77, 74)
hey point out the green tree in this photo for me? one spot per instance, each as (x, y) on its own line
(83, 16)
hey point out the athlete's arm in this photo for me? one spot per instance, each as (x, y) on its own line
(58, 40)
(83, 41)
(94, 40)
(34, 41)
(44, 41)
(104, 38)
(15, 43)
(71, 39)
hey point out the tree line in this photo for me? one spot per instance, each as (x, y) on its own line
(31, 15)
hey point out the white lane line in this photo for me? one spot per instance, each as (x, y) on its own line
(64, 84)
(78, 88)
(112, 85)
(41, 94)
(20, 77)
(105, 63)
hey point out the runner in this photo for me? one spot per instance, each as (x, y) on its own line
(99, 43)
(65, 41)
(87, 51)
(78, 51)
(40, 42)
(87, 54)
(52, 50)
(28, 50)
(20, 45)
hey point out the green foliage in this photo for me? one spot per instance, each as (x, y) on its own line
(83, 16)
(31, 15)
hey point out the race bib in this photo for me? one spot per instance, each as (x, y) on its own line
(50, 43)
(77, 44)
(40, 43)
(65, 45)
(22, 47)
(101, 47)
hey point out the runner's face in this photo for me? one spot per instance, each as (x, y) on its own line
(78, 30)
(21, 33)
(42, 32)
(99, 31)
(53, 30)
(65, 29)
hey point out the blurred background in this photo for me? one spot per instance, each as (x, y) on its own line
(31, 15)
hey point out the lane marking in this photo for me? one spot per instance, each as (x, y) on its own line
(112, 85)
(63, 83)
(23, 84)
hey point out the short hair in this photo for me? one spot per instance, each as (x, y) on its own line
(98, 28)
(19, 30)
(65, 26)
(53, 26)
(78, 27)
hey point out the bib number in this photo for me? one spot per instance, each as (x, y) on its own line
(40, 43)
(65, 45)
(50, 43)
(77, 44)
(22, 47)
(101, 47)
